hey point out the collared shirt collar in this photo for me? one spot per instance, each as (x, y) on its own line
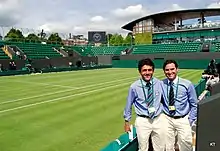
(174, 81)
(145, 83)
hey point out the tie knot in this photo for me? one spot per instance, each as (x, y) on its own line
(148, 84)
(171, 83)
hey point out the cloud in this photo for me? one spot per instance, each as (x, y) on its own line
(56, 27)
(130, 12)
(214, 5)
(78, 29)
(97, 19)
(174, 7)
(9, 12)
(73, 17)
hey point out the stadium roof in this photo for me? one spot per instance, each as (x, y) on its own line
(169, 17)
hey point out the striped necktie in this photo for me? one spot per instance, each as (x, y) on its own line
(171, 96)
(150, 98)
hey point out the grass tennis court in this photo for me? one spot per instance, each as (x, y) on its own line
(67, 111)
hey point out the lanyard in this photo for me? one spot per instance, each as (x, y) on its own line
(145, 96)
(176, 90)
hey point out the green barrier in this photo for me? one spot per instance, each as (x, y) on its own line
(125, 63)
(183, 63)
(124, 144)
(47, 70)
(14, 72)
(200, 87)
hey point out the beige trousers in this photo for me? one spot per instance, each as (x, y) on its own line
(146, 127)
(180, 128)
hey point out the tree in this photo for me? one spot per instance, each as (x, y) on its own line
(112, 40)
(119, 40)
(128, 39)
(108, 37)
(116, 39)
(55, 38)
(33, 38)
(14, 35)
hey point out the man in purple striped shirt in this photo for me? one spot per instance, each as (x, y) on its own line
(145, 94)
(180, 107)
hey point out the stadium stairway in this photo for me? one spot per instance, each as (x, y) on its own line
(60, 51)
(13, 50)
(7, 52)
(130, 50)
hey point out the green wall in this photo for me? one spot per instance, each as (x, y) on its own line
(183, 63)
(124, 63)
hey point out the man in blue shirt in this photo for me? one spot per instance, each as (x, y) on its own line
(145, 94)
(180, 107)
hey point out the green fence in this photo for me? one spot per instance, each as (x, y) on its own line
(125, 63)
(123, 143)
(193, 64)
(200, 87)
(183, 63)
(47, 70)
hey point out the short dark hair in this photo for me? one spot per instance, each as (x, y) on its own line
(147, 62)
(169, 62)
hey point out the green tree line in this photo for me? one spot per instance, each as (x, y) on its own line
(16, 35)
(118, 39)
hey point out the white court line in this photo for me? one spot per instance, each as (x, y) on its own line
(38, 83)
(5, 102)
(61, 81)
(67, 73)
(60, 98)
(90, 77)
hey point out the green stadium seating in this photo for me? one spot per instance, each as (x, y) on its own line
(3, 55)
(187, 34)
(97, 50)
(217, 47)
(36, 50)
(42, 51)
(111, 50)
(84, 51)
(166, 48)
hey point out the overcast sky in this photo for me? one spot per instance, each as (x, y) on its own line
(79, 16)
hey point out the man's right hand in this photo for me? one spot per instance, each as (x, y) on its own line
(127, 127)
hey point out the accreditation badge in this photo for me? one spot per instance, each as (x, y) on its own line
(151, 109)
(172, 108)
(157, 93)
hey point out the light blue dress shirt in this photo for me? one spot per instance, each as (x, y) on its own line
(136, 97)
(185, 98)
